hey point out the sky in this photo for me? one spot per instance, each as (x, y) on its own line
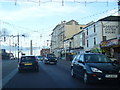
(37, 20)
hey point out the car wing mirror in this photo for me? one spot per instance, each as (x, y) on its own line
(80, 61)
(115, 61)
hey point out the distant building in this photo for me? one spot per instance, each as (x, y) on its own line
(61, 35)
(43, 52)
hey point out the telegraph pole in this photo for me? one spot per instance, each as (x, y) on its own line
(31, 51)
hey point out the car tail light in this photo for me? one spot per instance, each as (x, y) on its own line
(94, 75)
(36, 61)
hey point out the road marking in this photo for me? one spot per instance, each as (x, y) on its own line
(8, 77)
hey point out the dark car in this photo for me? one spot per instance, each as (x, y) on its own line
(50, 59)
(28, 63)
(40, 58)
(94, 67)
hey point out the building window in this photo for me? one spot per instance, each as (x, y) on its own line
(94, 41)
(94, 29)
(87, 43)
(87, 31)
(80, 27)
(83, 38)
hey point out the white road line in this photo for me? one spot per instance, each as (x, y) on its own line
(8, 77)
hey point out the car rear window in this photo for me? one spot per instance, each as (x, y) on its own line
(28, 58)
(50, 55)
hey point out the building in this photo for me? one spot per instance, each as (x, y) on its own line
(118, 7)
(78, 41)
(61, 36)
(102, 30)
(44, 52)
(57, 38)
(104, 36)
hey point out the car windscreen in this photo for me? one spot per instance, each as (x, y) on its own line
(28, 58)
(40, 56)
(96, 58)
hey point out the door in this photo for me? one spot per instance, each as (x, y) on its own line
(81, 65)
(75, 64)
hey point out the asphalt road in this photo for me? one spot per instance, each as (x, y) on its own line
(52, 76)
(8, 66)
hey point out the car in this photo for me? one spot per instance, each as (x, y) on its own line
(94, 67)
(28, 63)
(40, 58)
(50, 59)
(12, 58)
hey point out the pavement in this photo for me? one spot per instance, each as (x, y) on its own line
(9, 69)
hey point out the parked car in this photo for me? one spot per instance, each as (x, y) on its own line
(40, 58)
(50, 59)
(94, 67)
(12, 58)
(28, 63)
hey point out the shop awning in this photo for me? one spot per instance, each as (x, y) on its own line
(108, 43)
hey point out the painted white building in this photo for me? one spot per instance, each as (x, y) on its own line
(118, 7)
(104, 29)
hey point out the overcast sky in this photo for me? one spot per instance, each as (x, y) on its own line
(35, 19)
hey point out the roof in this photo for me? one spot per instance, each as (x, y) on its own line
(71, 22)
(92, 53)
(110, 18)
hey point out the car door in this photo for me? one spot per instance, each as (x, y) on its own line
(81, 65)
(74, 63)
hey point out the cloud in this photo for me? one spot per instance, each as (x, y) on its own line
(32, 10)
(27, 12)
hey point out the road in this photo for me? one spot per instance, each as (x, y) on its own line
(8, 66)
(52, 76)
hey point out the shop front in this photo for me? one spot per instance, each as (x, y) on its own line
(111, 48)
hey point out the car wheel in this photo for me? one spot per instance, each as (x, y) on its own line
(72, 72)
(86, 79)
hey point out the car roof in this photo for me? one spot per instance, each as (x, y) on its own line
(92, 53)
(28, 56)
